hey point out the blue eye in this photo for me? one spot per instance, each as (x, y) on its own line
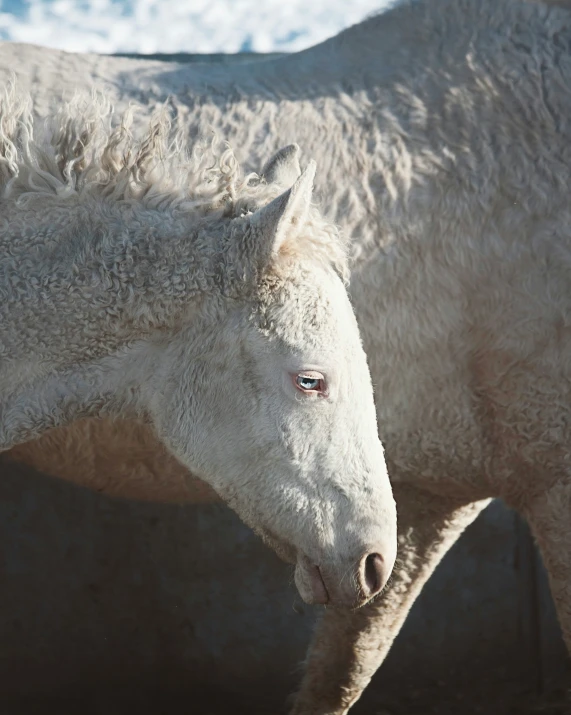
(307, 383)
(310, 381)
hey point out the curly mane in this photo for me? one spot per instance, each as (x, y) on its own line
(85, 150)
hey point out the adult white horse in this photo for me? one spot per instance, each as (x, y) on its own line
(442, 128)
(135, 281)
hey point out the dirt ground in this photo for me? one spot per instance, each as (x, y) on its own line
(499, 703)
(497, 699)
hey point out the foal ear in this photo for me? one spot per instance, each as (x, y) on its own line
(285, 216)
(283, 168)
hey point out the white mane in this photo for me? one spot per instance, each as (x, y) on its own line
(85, 150)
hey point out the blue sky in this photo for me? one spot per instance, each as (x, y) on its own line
(149, 26)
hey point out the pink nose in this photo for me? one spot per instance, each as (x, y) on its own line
(373, 575)
(329, 583)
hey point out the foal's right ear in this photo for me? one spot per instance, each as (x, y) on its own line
(283, 168)
(284, 218)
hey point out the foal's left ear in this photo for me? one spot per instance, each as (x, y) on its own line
(285, 216)
(283, 168)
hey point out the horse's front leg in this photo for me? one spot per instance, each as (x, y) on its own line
(549, 516)
(348, 647)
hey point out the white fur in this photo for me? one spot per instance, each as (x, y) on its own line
(137, 280)
(442, 133)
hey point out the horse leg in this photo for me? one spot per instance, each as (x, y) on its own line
(549, 516)
(348, 647)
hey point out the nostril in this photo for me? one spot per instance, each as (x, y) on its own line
(373, 575)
